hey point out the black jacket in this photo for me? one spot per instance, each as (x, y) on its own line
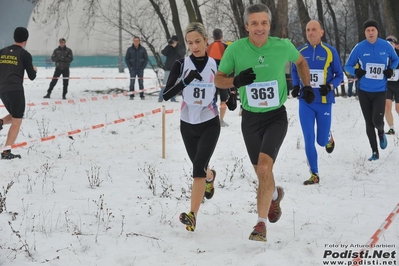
(136, 58)
(14, 60)
(172, 54)
(62, 56)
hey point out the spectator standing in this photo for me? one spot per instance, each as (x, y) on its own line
(376, 59)
(136, 60)
(258, 62)
(392, 90)
(173, 51)
(325, 74)
(199, 120)
(62, 56)
(14, 60)
(216, 50)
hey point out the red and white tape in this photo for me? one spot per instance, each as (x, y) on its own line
(90, 99)
(377, 235)
(93, 127)
(99, 77)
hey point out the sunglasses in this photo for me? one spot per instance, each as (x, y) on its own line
(392, 40)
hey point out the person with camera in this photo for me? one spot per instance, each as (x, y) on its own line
(62, 56)
(173, 51)
(377, 60)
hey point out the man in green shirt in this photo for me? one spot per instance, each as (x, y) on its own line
(259, 63)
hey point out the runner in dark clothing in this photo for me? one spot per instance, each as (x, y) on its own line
(14, 60)
(377, 60)
(392, 90)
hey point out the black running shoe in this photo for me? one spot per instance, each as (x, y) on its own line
(189, 220)
(7, 155)
(330, 145)
(209, 188)
(391, 132)
(314, 179)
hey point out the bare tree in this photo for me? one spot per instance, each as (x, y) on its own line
(237, 6)
(375, 10)
(320, 15)
(362, 14)
(391, 11)
(304, 17)
(281, 29)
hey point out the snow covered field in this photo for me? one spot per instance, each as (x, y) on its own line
(107, 197)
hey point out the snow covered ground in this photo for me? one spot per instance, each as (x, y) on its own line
(107, 197)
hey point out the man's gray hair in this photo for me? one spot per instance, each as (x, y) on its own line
(256, 8)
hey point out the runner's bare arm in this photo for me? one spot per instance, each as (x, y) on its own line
(223, 81)
(303, 70)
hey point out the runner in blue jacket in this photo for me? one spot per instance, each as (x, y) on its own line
(325, 74)
(377, 59)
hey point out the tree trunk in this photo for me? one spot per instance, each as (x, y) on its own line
(197, 11)
(375, 9)
(362, 14)
(320, 15)
(304, 17)
(192, 17)
(275, 19)
(238, 11)
(282, 23)
(335, 24)
(391, 11)
(176, 21)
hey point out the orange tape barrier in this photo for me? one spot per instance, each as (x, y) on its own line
(100, 77)
(78, 131)
(92, 99)
(376, 236)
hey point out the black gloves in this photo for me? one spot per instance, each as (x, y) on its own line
(193, 74)
(295, 91)
(232, 100)
(308, 94)
(324, 89)
(388, 73)
(244, 78)
(360, 73)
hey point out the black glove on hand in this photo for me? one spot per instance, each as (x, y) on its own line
(244, 78)
(324, 89)
(308, 94)
(388, 73)
(232, 100)
(360, 73)
(191, 76)
(295, 91)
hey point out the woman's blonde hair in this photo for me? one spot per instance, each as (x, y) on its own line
(198, 27)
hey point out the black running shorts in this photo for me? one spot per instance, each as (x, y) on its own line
(14, 101)
(264, 132)
(393, 93)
